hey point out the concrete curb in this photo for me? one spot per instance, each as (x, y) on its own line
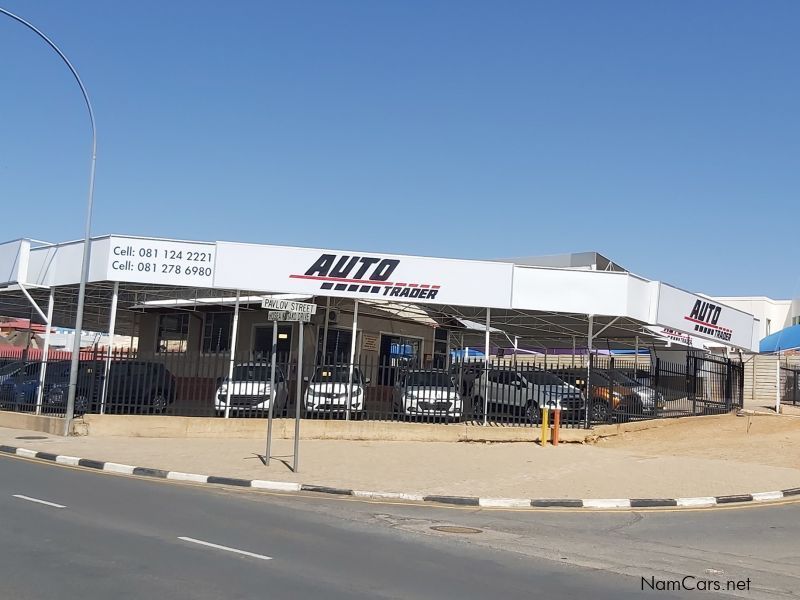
(287, 486)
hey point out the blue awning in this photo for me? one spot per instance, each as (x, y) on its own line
(785, 339)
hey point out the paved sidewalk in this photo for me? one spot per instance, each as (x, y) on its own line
(708, 457)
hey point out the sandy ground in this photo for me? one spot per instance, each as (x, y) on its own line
(703, 457)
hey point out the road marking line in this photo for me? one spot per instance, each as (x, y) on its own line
(45, 502)
(226, 548)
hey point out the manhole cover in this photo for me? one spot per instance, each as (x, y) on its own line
(30, 437)
(455, 529)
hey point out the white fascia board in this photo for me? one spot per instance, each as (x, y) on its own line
(14, 258)
(605, 293)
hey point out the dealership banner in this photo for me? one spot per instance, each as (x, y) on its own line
(703, 318)
(362, 275)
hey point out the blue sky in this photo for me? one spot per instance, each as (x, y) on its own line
(665, 135)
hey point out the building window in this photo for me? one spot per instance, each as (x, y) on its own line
(217, 332)
(173, 332)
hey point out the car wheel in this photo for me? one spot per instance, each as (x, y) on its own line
(477, 408)
(533, 415)
(159, 402)
(600, 412)
(81, 405)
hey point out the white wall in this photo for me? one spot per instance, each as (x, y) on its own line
(763, 309)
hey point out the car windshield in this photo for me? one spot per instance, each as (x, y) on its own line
(429, 379)
(543, 378)
(624, 379)
(10, 368)
(335, 375)
(259, 372)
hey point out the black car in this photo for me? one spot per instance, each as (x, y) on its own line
(134, 387)
(19, 389)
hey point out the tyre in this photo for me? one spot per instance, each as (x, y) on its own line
(533, 415)
(600, 412)
(159, 403)
(477, 408)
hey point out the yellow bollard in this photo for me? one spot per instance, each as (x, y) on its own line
(545, 425)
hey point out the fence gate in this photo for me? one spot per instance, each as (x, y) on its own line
(790, 385)
(714, 385)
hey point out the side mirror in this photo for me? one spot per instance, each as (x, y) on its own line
(305, 379)
(219, 381)
(367, 380)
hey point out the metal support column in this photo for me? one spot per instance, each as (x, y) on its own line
(486, 368)
(325, 332)
(352, 359)
(298, 401)
(112, 323)
(232, 362)
(45, 352)
(271, 390)
(590, 340)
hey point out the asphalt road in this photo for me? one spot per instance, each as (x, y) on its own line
(120, 537)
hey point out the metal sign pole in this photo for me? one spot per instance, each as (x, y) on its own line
(486, 368)
(299, 396)
(271, 389)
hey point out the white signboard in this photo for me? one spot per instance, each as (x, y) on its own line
(282, 315)
(162, 262)
(704, 318)
(289, 305)
(361, 275)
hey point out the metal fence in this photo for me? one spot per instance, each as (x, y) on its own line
(790, 385)
(507, 391)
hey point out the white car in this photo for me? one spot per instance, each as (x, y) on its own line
(250, 392)
(427, 393)
(328, 389)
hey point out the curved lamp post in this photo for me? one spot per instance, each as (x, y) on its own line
(76, 348)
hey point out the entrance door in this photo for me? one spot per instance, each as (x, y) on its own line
(262, 342)
(397, 352)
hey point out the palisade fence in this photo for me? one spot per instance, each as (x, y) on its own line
(790, 385)
(508, 391)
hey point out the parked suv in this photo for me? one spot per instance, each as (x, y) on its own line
(250, 392)
(427, 393)
(614, 395)
(328, 389)
(139, 386)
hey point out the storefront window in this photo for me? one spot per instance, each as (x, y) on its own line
(173, 333)
(217, 332)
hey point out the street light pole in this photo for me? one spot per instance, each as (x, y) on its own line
(76, 347)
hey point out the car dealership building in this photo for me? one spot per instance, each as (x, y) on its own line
(201, 300)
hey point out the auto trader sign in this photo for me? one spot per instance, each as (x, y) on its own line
(362, 275)
(703, 317)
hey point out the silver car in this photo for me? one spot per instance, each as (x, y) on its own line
(427, 393)
(249, 391)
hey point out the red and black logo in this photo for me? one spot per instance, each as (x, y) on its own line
(705, 317)
(365, 274)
